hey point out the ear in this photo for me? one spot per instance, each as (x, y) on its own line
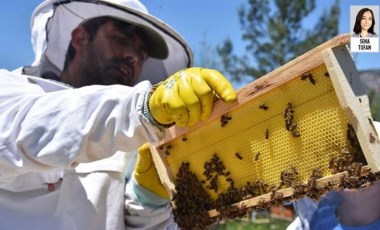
(79, 38)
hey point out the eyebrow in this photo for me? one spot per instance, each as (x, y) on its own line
(129, 39)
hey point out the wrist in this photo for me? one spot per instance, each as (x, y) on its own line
(148, 115)
(144, 196)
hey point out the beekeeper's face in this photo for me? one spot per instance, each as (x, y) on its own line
(113, 56)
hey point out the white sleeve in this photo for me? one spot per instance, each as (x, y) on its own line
(304, 208)
(41, 130)
(136, 213)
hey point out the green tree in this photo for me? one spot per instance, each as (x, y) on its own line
(274, 34)
(374, 101)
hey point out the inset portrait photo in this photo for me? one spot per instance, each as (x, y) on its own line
(364, 29)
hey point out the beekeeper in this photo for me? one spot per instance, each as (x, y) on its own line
(71, 123)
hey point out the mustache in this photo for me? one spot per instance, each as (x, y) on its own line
(125, 63)
(128, 62)
(122, 62)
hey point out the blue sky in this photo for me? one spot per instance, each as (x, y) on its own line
(195, 20)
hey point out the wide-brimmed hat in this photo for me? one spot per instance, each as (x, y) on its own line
(53, 21)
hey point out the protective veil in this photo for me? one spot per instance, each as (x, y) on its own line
(52, 20)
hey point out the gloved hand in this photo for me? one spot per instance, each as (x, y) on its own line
(187, 96)
(146, 173)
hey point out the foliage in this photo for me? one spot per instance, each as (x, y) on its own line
(274, 33)
(241, 225)
(374, 101)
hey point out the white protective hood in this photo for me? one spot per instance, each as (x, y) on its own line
(53, 20)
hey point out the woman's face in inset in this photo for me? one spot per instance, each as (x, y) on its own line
(366, 21)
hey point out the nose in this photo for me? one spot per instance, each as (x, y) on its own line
(131, 55)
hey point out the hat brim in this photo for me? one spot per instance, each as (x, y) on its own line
(156, 45)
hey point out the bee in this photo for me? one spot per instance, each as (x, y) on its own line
(346, 155)
(238, 155)
(295, 133)
(267, 134)
(214, 183)
(304, 77)
(285, 113)
(371, 138)
(327, 74)
(345, 151)
(316, 173)
(215, 158)
(264, 106)
(229, 179)
(261, 202)
(295, 171)
(279, 195)
(273, 193)
(358, 169)
(290, 109)
(292, 127)
(331, 162)
(184, 139)
(167, 153)
(224, 119)
(169, 147)
(257, 156)
(311, 79)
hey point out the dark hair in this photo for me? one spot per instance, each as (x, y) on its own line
(357, 28)
(92, 26)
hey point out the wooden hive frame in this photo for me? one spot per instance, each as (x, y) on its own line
(349, 91)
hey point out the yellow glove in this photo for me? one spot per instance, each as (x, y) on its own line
(186, 97)
(146, 173)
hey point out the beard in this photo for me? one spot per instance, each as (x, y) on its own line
(95, 69)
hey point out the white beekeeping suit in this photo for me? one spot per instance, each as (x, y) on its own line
(56, 172)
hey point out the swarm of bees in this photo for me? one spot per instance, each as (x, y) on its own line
(213, 169)
(289, 177)
(192, 202)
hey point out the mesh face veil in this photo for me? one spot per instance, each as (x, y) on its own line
(47, 25)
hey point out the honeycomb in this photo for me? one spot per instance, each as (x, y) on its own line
(255, 143)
